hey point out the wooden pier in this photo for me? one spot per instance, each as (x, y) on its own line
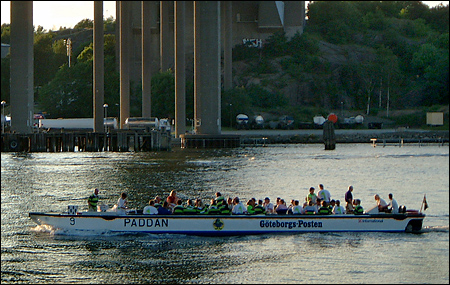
(210, 141)
(119, 141)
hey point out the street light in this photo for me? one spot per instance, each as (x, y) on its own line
(105, 106)
(231, 115)
(68, 43)
(4, 118)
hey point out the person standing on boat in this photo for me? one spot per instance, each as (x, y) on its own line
(312, 196)
(381, 203)
(268, 207)
(150, 209)
(338, 209)
(122, 203)
(323, 195)
(349, 200)
(172, 199)
(393, 203)
(92, 201)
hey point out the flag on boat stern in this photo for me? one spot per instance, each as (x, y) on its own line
(425, 203)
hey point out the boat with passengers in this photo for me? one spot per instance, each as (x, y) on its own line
(134, 221)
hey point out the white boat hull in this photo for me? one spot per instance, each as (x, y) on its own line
(222, 225)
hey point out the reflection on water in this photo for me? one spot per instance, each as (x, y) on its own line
(51, 181)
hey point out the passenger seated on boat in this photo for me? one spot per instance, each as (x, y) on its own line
(250, 207)
(259, 208)
(331, 204)
(157, 202)
(219, 199)
(150, 209)
(291, 207)
(224, 209)
(381, 203)
(358, 208)
(238, 208)
(268, 207)
(324, 210)
(281, 208)
(393, 204)
(122, 204)
(297, 209)
(230, 203)
(310, 209)
(178, 209)
(199, 207)
(213, 210)
(164, 209)
(190, 209)
(338, 209)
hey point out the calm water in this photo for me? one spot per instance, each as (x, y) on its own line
(51, 181)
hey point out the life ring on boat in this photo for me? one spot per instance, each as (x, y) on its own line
(13, 144)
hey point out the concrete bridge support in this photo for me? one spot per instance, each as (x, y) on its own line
(99, 68)
(125, 39)
(22, 58)
(227, 45)
(165, 48)
(146, 19)
(207, 67)
(180, 69)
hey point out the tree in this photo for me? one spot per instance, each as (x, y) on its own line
(84, 24)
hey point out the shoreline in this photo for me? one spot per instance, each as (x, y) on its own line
(400, 135)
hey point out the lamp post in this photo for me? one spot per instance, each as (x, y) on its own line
(231, 115)
(68, 43)
(105, 106)
(4, 118)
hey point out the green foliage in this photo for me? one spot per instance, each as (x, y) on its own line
(275, 45)
(163, 95)
(84, 24)
(245, 52)
(109, 25)
(6, 33)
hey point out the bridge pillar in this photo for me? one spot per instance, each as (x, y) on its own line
(164, 35)
(125, 39)
(180, 69)
(146, 18)
(207, 67)
(99, 68)
(227, 45)
(22, 72)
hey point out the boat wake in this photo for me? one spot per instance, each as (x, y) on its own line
(434, 229)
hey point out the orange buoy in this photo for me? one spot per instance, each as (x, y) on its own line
(332, 117)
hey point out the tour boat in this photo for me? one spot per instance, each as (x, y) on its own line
(228, 225)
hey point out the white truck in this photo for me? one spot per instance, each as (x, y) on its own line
(75, 123)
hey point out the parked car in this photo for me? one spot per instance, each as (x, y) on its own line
(286, 123)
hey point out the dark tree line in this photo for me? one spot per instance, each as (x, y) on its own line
(400, 46)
